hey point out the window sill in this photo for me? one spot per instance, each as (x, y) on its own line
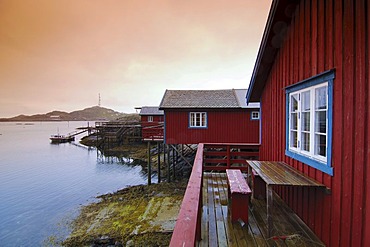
(310, 162)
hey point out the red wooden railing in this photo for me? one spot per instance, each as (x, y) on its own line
(153, 131)
(187, 228)
(210, 156)
(222, 156)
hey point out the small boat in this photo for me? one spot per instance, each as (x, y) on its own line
(61, 138)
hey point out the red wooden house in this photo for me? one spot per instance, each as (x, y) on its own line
(152, 120)
(312, 79)
(213, 116)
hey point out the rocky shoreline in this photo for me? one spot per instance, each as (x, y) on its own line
(136, 216)
(143, 215)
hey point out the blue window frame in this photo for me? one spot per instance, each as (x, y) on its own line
(198, 120)
(309, 106)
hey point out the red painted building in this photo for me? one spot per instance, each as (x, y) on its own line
(312, 79)
(152, 122)
(209, 116)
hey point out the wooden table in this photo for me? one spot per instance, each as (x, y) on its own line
(278, 173)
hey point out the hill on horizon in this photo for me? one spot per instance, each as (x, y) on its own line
(94, 113)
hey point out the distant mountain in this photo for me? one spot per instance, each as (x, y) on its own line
(94, 113)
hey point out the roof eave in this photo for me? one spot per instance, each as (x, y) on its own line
(280, 15)
(199, 107)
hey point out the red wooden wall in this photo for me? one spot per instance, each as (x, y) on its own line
(156, 119)
(154, 129)
(231, 126)
(327, 35)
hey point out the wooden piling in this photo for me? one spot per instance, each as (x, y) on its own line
(168, 163)
(159, 161)
(177, 158)
(149, 166)
(164, 155)
(173, 164)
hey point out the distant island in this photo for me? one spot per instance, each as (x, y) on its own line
(95, 113)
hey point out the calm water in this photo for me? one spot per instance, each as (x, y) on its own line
(42, 185)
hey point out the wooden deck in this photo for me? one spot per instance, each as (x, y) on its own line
(217, 229)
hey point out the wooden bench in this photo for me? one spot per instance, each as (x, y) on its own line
(239, 192)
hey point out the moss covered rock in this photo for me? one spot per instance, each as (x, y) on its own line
(135, 216)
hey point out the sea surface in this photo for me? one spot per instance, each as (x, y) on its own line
(43, 185)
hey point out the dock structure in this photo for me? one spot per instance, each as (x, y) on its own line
(115, 133)
(71, 136)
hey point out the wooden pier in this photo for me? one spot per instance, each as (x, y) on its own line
(205, 219)
(219, 230)
(114, 133)
(71, 136)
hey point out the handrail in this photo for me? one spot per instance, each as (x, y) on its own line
(187, 228)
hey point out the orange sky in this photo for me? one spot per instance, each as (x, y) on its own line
(60, 54)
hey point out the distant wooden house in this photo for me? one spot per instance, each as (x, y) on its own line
(152, 120)
(312, 79)
(213, 116)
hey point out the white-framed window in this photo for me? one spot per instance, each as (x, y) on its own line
(255, 115)
(150, 118)
(308, 125)
(309, 121)
(198, 120)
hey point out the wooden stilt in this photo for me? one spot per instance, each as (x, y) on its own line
(164, 155)
(168, 163)
(149, 166)
(159, 161)
(177, 157)
(173, 164)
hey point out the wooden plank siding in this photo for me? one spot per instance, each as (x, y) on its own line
(325, 35)
(153, 129)
(366, 218)
(223, 126)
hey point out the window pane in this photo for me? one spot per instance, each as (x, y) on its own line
(294, 121)
(305, 141)
(320, 145)
(293, 139)
(255, 115)
(294, 103)
(320, 121)
(198, 119)
(320, 98)
(305, 101)
(306, 121)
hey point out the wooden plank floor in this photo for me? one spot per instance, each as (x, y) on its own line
(217, 229)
